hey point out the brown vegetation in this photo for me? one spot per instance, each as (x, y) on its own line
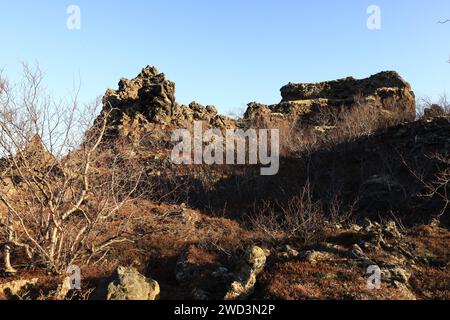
(103, 192)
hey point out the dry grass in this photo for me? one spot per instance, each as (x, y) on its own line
(340, 277)
(335, 126)
(300, 218)
(304, 281)
(432, 283)
(133, 178)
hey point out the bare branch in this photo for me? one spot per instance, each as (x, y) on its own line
(64, 186)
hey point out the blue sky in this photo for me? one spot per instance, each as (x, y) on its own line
(226, 52)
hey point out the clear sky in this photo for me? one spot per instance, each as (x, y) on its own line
(226, 52)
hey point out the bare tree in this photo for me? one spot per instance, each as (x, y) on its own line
(439, 187)
(59, 187)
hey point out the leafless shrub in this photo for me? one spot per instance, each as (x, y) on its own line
(436, 185)
(266, 219)
(445, 103)
(59, 195)
(338, 214)
(440, 186)
(299, 141)
(299, 218)
(360, 120)
(336, 125)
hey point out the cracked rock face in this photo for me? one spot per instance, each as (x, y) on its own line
(150, 98)
(342, 89)
(127, 284)
(386, 91)
(149, 94)
(246, 273)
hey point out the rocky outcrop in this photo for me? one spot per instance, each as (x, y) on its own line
(434, 111)
(386, 91)
(287, 252)
(315, 257)
(15, 287)
(127, 284)
(381, 85)
(246, 272)
(151, 98)
(149, 94)
(34, 155)
(349, 261)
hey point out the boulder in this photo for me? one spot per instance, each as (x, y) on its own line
(256, 258)
(287, 252)
(435, 223)
(247, 270)
(399, 274)
(243, 284)
(63, 289)
(127, 284)
(396, 273)
(315, 257)
(14, 288)
(381, 192)
(390, 230)
(358, 254)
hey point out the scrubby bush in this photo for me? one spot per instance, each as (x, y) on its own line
(60, 188)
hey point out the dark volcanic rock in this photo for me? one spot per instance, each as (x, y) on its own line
(126, 284)
(434, 111)
(386, 91)
(149, 94)
(382, 85)
(150, 97)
